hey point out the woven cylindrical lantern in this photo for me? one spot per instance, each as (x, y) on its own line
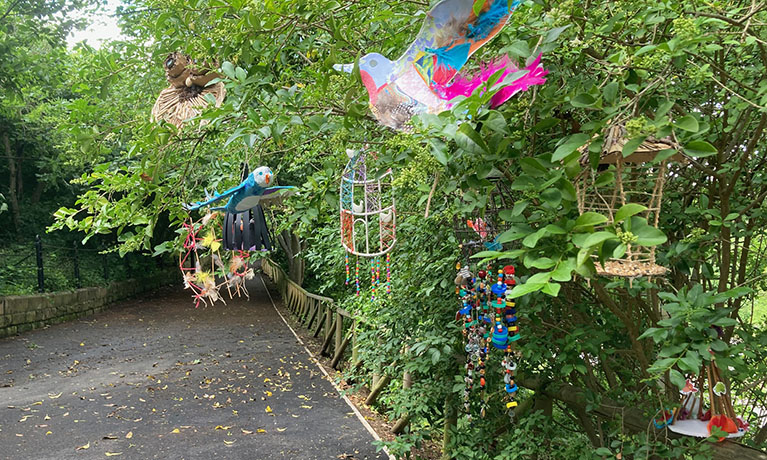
(609, 181)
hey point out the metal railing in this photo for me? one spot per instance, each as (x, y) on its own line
(47, 266)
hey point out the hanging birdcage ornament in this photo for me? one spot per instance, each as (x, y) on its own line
(368, 218)
(609, 181)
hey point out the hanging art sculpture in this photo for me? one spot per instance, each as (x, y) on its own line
(368, 219)
(690, 418)
(489, 321)
(244, 230)
(488, 315)
(426, 77)
(616, 181)
(205, 270)
(185, 97)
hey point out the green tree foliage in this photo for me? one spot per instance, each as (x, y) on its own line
(687, 70)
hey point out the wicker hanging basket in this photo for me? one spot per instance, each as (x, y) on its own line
(185, 97)
(637, 178)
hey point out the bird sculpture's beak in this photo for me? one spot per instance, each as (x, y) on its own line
(268, 178)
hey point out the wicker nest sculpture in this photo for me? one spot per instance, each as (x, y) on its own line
(617, 180)
(185, 97)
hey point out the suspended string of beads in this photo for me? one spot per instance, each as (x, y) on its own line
(477, 303)
(372, 279)
(346, 262)
(357, 274)
(388, 274)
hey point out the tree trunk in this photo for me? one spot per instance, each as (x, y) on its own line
(292, 245)
(13, 199)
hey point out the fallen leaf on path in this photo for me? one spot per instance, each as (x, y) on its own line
(268, 410)
(176, 431)
(38, 403)
(281, 429)
(110, 437)
(244, 431)
(52, 396)
(228, 443)
(47, 417)
(86, 446)
(129, 435)
(112, 454)
(260, 430)
(48, 432)
(220, 427)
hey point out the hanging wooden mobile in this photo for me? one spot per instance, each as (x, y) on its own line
(691, 420)
(202, 264)
(368, 219)
(185, 98)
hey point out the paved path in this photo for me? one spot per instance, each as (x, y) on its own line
(157, 378)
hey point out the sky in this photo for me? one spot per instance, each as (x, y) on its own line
(103, 27)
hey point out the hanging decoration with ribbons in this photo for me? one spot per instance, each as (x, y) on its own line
(368, 220)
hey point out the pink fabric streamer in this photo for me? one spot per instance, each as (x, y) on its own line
(464, 85)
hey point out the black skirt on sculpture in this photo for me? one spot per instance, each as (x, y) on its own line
(246, 231)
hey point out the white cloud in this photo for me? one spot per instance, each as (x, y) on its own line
(103, 28)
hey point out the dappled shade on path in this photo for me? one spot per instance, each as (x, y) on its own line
(157, 378)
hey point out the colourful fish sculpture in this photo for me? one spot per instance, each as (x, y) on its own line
(426, 77)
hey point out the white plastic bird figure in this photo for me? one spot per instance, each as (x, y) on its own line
(246, 195)
(425, 78)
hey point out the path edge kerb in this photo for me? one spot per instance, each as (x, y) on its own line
(316, 361)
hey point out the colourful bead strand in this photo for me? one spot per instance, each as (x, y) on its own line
(348, 274)
(388, 274)
(357, 274)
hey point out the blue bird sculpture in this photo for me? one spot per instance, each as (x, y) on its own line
(246, 195)
(426, 77)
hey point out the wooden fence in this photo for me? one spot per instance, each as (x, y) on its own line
(317, 313)
(321, 316)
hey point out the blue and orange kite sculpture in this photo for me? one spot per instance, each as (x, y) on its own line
(426, 77)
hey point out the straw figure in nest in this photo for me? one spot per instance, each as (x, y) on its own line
(185, 97)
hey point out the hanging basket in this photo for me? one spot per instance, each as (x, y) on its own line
(609, 181)
(368, 217)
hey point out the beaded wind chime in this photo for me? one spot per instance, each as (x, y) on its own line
(368, 220)
(489, 319)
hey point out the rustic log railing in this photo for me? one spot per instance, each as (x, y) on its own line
(320, 315)
(317, 313)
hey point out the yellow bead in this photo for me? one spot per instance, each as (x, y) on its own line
(511, 405)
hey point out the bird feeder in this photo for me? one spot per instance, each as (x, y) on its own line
(609, 181)
(368, 217)
(692, 420)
